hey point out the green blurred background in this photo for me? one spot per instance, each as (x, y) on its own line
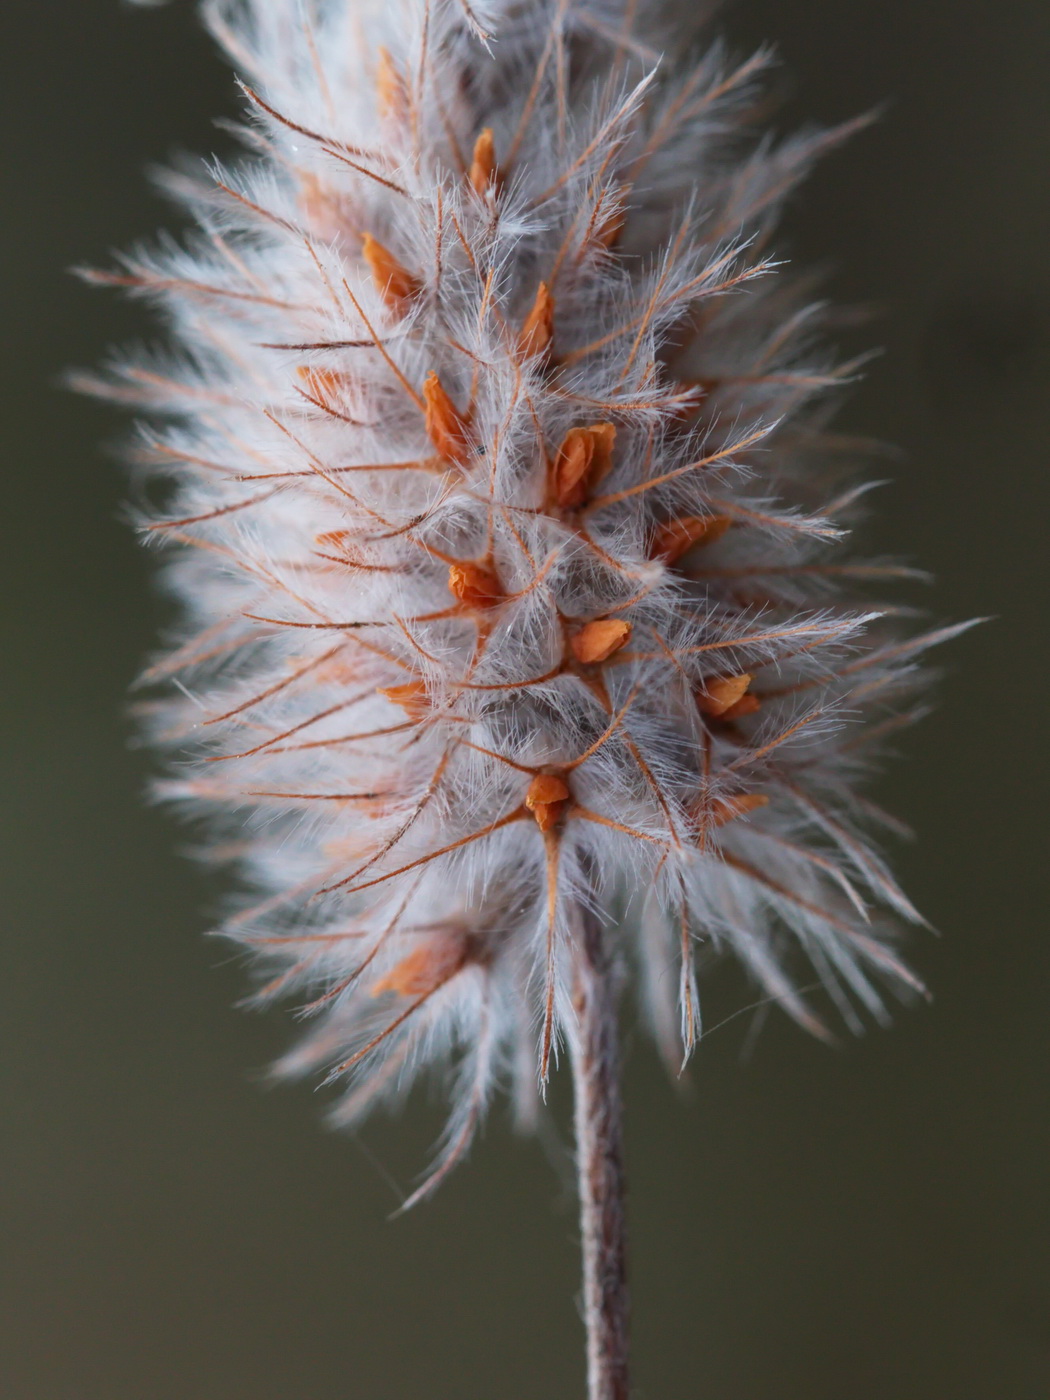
(806, 1224)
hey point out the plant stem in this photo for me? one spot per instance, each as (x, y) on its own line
(594, 1051)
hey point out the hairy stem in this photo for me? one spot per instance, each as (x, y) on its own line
(599, 1159)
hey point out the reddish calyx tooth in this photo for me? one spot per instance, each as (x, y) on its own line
(723, 694)
(677, 537)
(538, 330)
(427, 967)
(583, 459)
(598, 640)
(447, 428)
(727, 809)
(485, 174)
(397, 286)
(475, 585)
(410, 696)
(546, 799)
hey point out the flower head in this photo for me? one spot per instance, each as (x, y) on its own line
(509, 537)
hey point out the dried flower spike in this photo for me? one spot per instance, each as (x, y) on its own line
(483, 642)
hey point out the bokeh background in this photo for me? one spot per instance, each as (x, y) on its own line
(807, 1224)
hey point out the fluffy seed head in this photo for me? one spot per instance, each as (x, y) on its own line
(508, 533)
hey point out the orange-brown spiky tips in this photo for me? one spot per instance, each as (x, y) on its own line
(447, 428)
(583, 459)
(678, 537)
(391, 88)
(397, 286)
(722, 694)
(546, 799)
(727, 809)
(411, 696)
(598, 640)
(427, 967)
(485, 174)
(475, 585)
(538, 329)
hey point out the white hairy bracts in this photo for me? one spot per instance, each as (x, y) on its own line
(508, 537)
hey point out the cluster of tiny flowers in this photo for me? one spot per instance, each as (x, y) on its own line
(506, 527)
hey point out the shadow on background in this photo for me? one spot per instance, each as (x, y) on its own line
(807, 1225)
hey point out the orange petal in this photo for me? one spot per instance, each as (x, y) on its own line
(538, 330)
(583, 459)
(411, 696)
(604, 437)
(572, 467)
(726, 809)
(546, 787)
(484, 172)
(397, 286)
(546, 799)
(446, 426)
(722, 693)
(598, 640)
(677, 537)
(474, 585)
(746, 705)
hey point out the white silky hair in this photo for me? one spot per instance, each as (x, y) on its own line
(369, 744)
